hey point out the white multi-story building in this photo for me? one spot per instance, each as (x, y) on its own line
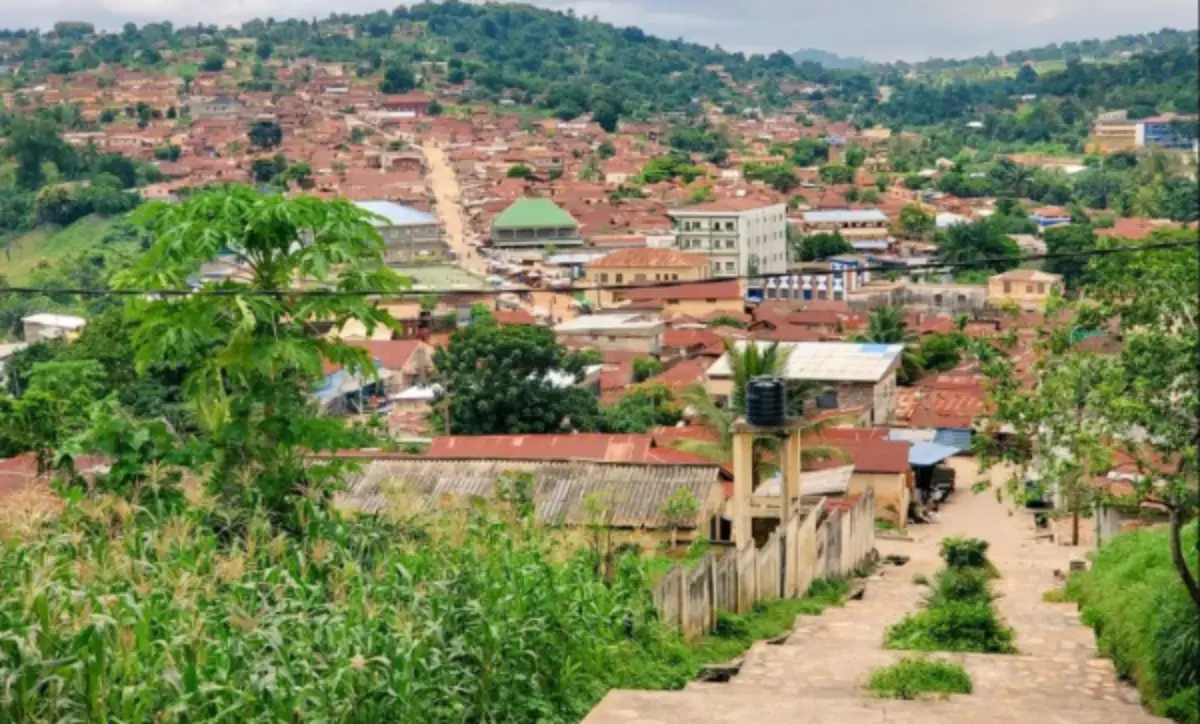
(740, 237)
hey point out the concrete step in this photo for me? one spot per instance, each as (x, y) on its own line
(727, 706)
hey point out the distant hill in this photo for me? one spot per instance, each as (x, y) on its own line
(830, 61)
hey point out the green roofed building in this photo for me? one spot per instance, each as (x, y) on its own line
(534, 223)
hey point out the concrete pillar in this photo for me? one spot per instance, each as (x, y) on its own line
(743, 482)
(789, 490)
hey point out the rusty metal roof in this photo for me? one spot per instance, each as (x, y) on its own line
(634, 493)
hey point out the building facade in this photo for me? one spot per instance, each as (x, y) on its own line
(631, 332)
(535, 223)
(740, 237)
(831, 280)
(630, 267)
(409, 234)
(1166, 132)
(1029, 289)
(854, 225)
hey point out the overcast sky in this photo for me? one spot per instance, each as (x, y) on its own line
(874, 29)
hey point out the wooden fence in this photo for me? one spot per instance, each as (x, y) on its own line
(828, 542)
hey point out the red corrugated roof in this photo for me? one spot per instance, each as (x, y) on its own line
(393, 354)
(868, 456)
(683, 375)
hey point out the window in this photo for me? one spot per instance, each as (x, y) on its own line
(1008, 287)
(674, 277)
(612, 338)
(937, 300)
(620, 278)
(1029, 289)
(603, 278)
(962, 299)
(828, 401)
(710, 301)
(729, 226)
(641, 277)
(729, 243)
(728, 266)
(1041, 288)
(672, 301)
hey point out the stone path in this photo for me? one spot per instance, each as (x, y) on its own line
(818, 674)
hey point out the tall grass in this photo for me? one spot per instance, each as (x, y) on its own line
(1144, 619)
(107, 617)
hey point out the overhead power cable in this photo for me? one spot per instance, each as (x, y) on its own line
(247, 291)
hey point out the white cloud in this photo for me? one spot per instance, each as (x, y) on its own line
(876, 29)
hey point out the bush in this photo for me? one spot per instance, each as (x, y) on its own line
(955, 626)
(911, 677)
(965, 552)
(1144, 619)
(959, 585)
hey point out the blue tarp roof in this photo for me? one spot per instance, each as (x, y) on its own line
(929, 453)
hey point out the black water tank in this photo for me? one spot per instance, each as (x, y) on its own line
(766, 402)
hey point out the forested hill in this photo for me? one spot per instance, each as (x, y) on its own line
(825, 59)
(1094, 49)
(526, 53)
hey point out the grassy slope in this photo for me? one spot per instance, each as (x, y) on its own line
(1144, 619)
(48, 244)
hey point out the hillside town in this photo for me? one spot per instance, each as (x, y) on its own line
(343, 293)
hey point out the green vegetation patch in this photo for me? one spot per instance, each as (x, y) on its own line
(1144, 619)
(912, 676)
(958, 614)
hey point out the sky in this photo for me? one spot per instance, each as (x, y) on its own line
(880, 30)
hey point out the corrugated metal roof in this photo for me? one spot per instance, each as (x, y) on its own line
(534, 214)
(841, 216)
(928, 453)
(954, 437)
(396, 214)
(635, 494)
(828, 361)
(833, 481)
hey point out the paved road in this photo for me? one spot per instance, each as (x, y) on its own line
(819, 673)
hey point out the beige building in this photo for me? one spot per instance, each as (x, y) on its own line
(38, 327)
(857, 375)
(1112, 131)
(739, 236)
(1027, 288)
(854, 225)
(642, 267)
(638, 332)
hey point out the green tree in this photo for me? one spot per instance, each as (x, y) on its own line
(645, 367)
(1069, 239)
(816, 247)
(940, 352)
(512, 379)
(1142, 402)
(915, 223)
(836, 174)
(641, 409)
(398, 79)
(520, 171)
(265, 135)
(680, 510)
(855, 155)
(213, 63)
(50, 410)
(886, 325)
(975, 242)
(263, 48)
(251, 353)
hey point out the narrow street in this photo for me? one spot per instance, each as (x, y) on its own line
(818, 675)
(444, 183)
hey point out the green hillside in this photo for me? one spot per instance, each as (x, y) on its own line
(25, 253)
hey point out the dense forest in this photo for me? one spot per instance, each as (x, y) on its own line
(1092, 48)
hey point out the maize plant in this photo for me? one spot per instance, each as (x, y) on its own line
(124, 618)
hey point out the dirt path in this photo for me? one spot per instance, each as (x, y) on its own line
(819, 673)
(444, 183)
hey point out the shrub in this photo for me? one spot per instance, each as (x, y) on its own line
(965, 552)
(911, 677)
(1144, 619)
(954, 626)
(957, 585)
